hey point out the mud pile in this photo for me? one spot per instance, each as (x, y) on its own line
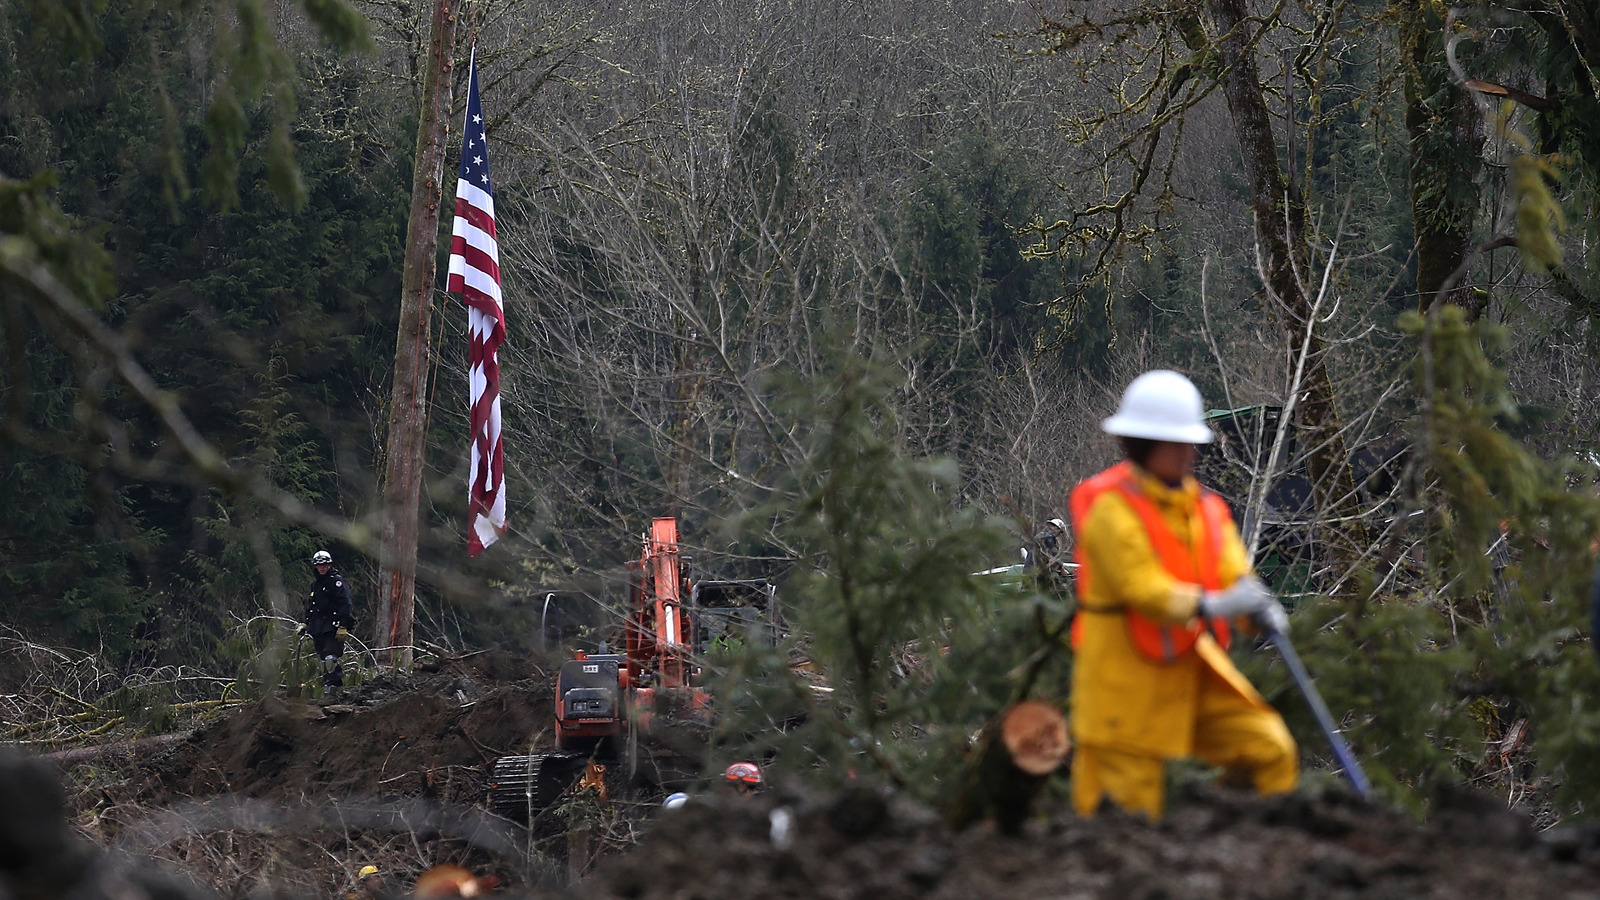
(1213, 844)
(430, 735)
(285, 797)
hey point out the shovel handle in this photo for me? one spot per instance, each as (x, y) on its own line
(1302, 680)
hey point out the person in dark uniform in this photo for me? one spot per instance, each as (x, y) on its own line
(329, 615)
(1051, 538)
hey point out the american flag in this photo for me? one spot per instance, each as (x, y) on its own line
(475, 275)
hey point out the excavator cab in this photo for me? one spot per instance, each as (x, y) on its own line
(588, 702)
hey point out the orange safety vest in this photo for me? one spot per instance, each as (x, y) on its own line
(1155, 642)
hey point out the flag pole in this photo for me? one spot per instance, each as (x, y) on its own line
(408, 414)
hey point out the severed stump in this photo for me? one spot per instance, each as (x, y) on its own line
(1014, 759)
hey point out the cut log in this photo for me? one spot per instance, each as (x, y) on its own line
(1035, 734)
(1012, 762)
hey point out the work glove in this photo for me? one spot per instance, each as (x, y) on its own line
(300, 629)
(342, 634)
(1246, 597)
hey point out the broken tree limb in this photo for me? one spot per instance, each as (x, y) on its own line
(22, 731)
(70, 698)
(111, 720)
(104, 727)
(113, 751)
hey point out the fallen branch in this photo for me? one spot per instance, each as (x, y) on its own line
(78, 700)
(40, 725)
(113, 751)
(113, 719)
(102, 729)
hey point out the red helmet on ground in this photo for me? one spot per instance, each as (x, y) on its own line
(743, 773)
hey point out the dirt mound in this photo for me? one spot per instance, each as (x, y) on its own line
(285, 797)
(1212, 845)
(430, 735)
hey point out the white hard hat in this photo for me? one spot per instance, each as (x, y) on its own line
(676, 800)
(322, 558)
(1161, 406)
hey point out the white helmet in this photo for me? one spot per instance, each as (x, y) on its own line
(676, 800)
(322, 558)
(1161, 406)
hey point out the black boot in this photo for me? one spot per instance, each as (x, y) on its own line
(332, 678)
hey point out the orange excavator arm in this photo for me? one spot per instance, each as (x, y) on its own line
(664, 577)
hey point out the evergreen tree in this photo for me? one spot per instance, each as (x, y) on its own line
(225, 583)
(98, 96)
(916, 647)
(1471, 624)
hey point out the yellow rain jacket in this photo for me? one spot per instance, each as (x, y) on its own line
(1128, 708)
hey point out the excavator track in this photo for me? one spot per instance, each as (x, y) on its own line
(524, 786)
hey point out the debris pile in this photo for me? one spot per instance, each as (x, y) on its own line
(287, 798)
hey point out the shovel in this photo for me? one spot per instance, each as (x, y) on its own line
(1302, 680)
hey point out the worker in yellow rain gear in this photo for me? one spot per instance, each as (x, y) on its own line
(1163, 579)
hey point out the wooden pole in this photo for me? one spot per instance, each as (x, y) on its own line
(408, 413)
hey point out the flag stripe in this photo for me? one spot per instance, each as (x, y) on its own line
(474, 259)
(471, 235)
(472, 269)
(471, 219)
(475, 275)
(475, 198)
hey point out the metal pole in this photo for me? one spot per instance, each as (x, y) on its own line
(1302, 680)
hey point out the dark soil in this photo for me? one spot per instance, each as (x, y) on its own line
(431, 735)
(287, 797)
(432, 738)
(860, 846)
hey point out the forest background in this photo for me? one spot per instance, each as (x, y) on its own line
(816, 277)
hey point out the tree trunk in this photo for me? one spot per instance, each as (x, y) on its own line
(1442, 134)
(1584, 33)
(408, 413)
(1280, 217)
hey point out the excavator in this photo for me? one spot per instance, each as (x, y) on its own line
(605, 701)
